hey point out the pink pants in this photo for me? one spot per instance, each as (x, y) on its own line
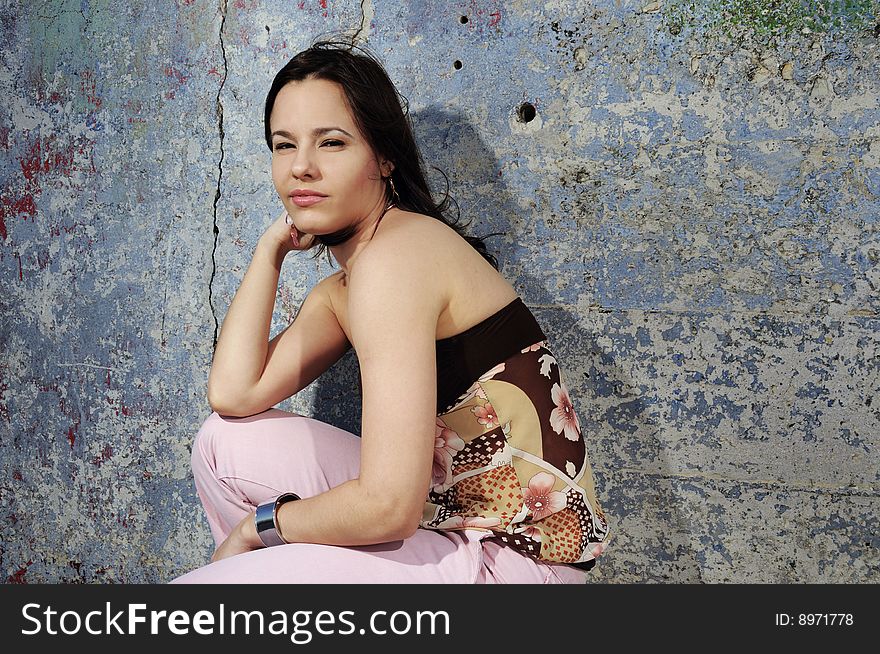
(239, 463)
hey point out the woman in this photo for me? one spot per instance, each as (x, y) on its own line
(471, 467)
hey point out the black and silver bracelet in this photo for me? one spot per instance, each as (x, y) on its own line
(266, 520)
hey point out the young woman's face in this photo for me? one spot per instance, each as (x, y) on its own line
(317, 147)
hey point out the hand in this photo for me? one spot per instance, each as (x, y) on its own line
(243, 538)
(286, 237)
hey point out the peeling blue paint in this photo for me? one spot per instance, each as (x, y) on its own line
(696, 228)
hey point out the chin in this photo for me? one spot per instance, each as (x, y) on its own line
(305, 219)
(316, 222)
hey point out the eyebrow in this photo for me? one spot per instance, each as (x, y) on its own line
(318, 131)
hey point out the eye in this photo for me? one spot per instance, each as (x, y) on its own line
(333, 143)
(280, 146)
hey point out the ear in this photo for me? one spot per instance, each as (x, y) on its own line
(387, 167)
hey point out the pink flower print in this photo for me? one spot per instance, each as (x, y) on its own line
(540, 497)
(533, 347)
(486, 415)
(447, 444)
(473, 522)
(563, 418)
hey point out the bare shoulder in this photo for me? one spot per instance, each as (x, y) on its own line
(425, 263)
(419, 234)
(412, 245)
(396, 292)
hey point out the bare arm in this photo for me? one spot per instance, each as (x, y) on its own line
(241, 350)
(250, 373)
(393, 312)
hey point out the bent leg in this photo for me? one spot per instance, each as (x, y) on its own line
(239, 463)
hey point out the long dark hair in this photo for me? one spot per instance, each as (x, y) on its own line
(382, 116)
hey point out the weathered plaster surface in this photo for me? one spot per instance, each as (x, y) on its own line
(692, 213)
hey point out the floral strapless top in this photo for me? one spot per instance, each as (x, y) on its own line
(509, 456)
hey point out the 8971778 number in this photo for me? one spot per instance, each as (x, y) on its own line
(814, 619)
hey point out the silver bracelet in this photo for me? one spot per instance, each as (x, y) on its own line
(266, 520)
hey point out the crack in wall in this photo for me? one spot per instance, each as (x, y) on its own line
(363, 21)
(219, 109)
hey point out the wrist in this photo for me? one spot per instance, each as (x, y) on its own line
(285, 520)
(267, 522)
(247, 531)
(271, 250)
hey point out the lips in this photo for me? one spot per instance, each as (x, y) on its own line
(306, 198)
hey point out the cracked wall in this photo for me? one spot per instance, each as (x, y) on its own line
(689, 198)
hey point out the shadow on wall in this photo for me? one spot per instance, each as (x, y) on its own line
(337, 395)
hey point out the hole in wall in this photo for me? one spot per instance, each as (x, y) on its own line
(526, 112)
(456, 64)
(463, 20)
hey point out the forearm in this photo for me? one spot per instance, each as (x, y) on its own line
(240, 355)
(344, 515)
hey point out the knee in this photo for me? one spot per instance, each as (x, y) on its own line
(210, 434)
(223, 438)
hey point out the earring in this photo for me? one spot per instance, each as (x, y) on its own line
(395, 198)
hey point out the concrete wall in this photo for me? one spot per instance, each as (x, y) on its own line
(692, 214)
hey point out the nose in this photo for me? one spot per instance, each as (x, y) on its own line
(303, 164)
